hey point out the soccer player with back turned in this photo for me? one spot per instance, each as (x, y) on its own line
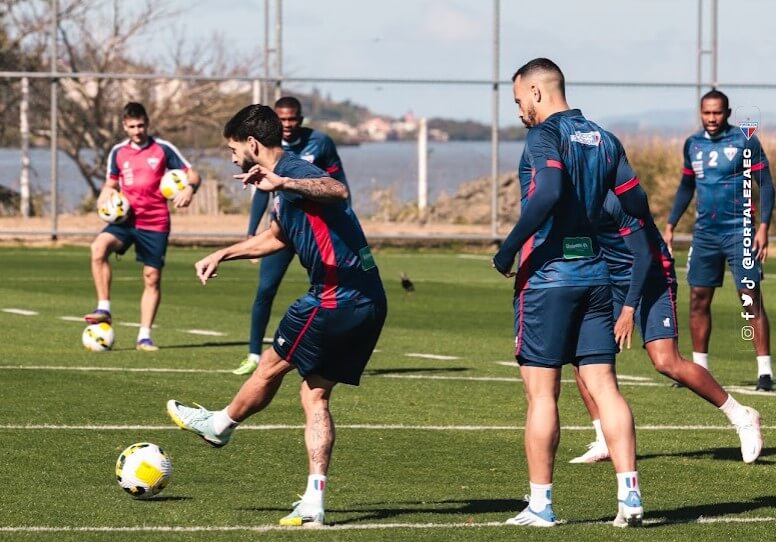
(563, 298)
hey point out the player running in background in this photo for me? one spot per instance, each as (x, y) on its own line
(714, 164)
(136, 166)
(644, 287)
(314, 147)
(328, 334)
(563, 297)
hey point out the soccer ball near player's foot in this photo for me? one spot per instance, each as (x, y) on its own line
(98, 337)
(115, 209)
(143, 470)
(173, 182)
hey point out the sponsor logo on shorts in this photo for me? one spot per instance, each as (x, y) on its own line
(281, 341)
(666, 322)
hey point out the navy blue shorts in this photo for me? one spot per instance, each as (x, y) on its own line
(333, 343)
(708, 255)
(570, 324)
(150, 246)
(656, 311)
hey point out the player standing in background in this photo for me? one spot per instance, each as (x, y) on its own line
(568, 166)
(714, 165)
(328, 334)
(644, 287)
(135, 167)
(314, 147)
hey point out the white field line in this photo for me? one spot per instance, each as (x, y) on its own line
(79, 319)
(619, 376)
(430, 356)
(206, 332)
(499, 379)
(483, 257)
(112, 369)
(21, 312)
(357, 527)
(354, 426)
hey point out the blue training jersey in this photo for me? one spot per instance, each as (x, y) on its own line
(717, 165)
(614, 225)
(311, 146)
(565, 250)
(328, 239)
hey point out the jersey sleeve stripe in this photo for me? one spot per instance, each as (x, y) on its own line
(626, 186)
(687, 171)
(758, 167)
(555, 164)
(333, 169)
(174, 149)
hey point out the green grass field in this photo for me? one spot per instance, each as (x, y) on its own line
(427, 448)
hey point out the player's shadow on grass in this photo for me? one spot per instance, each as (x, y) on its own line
(405, 370)
(724, 454)
(205, 345)
(382, 510)
(691, 514)
(167, 498)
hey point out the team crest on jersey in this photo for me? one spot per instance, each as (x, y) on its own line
(308, 158)
(587, 138)
(730, 152)
(748, 128)
(153, 162)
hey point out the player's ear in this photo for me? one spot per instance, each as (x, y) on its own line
(537, 93)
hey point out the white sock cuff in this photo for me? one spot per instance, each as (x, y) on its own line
(222, 421)
(764, 365)
(701, 358)
(103, 305)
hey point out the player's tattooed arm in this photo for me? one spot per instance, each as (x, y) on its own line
(322, 189)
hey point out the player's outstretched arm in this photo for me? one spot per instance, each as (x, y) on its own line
(267, 242)
(549, 187)
(321, 189)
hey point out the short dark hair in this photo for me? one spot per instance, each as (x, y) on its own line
(715, 94)
(289, 102)
(541, 65)
(258, 121)
(134, 110)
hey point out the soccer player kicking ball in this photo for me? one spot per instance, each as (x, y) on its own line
(568, 166)
(328, 334)
(644, 287)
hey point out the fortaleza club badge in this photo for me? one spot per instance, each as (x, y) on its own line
(748, 119)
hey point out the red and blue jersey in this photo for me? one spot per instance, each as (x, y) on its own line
(717, 166)
(328, 239)
(319, 149)
(615, 224)
(565, 250)
(139, 171)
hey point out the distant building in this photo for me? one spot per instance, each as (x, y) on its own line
(377, 129)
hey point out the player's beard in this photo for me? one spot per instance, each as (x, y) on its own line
(247, 165)
(529, 120)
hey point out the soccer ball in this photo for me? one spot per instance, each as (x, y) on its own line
(115, 210)
(173, 182)
(143, 470)
(98, 337)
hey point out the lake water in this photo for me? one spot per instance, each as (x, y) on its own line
(369, 167)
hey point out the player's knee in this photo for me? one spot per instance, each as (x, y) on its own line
(152, 278)
(665, 364)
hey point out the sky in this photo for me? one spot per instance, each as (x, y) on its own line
(591, 40)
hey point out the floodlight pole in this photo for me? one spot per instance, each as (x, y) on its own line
(494, 137)
(54, 134)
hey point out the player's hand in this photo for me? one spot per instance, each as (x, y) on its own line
(207, 267)
(668, 237)
(261, 177)
(184, 197)
(760, 244)
(505, 268)
(105, 194)
(623, 328)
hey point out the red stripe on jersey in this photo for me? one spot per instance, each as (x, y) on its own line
(626, 186)
(333, 169)
(625, 231)
(525, 251)
(519, 338)
(301, 334)
(326, 249)
(687, 171)
(758, 167)
(555, 164)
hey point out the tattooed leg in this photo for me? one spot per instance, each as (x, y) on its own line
(319, 425)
